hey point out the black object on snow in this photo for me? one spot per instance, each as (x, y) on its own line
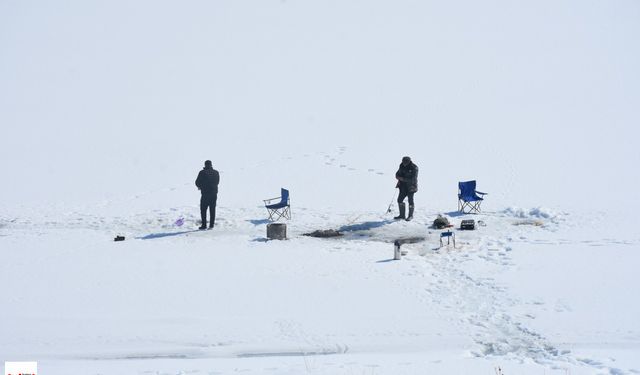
(119, 238)
(324, 233)
(441, 222)
(468, 224)
(277, 231)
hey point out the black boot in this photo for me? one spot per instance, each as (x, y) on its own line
(401, 208)
(213, 217)
(410, 213)
(203, 215)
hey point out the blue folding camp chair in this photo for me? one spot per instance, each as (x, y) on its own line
(280, 209)
(468, 197)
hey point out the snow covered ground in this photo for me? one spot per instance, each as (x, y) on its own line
(532, 291)
(108, 111)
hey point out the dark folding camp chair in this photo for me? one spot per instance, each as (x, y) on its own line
(468, 197)
(280, 209)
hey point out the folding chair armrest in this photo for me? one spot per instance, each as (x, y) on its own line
(481, 193)
(266, 201)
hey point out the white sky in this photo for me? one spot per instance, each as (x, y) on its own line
(91, 91)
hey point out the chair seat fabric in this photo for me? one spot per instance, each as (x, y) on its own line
(277, 205)
(470, 198)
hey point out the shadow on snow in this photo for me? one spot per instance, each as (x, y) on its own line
(259, 221)
(455, 214)
(166, 234)
(385, 261)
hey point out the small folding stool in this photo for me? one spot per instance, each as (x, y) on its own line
(449, 235)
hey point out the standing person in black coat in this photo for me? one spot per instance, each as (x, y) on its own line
(207, 181)
(407, 176)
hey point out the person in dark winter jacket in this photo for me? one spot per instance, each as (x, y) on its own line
(207, 181)
(407, 176)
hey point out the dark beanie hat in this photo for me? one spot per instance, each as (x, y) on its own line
(207, 163)
(406, 158)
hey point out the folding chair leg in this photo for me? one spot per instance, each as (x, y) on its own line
(276, 214)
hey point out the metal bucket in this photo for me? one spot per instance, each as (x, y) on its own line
(277, 231)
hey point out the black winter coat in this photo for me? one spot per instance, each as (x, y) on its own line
(408, 177)
(208, 180)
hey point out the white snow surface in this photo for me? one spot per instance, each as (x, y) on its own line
(108, 110)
